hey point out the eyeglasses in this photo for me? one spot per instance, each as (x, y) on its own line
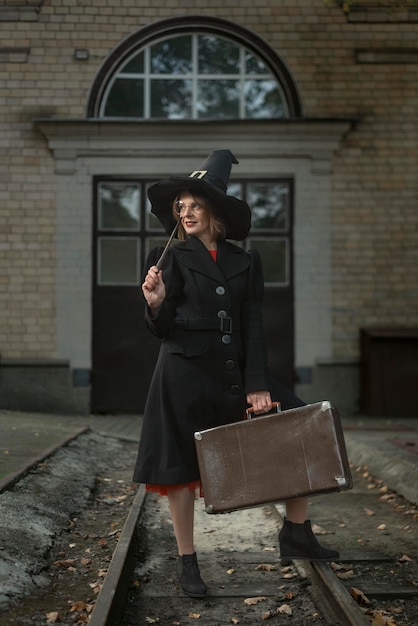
(180, 207)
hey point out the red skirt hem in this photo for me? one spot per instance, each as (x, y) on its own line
(163, 490)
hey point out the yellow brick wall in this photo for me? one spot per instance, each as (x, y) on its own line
(374, 183)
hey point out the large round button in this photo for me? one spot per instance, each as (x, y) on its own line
(235, 389)
(220, 290)
(226, 339)
(230, 365)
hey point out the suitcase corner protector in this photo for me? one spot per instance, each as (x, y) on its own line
(198, 436)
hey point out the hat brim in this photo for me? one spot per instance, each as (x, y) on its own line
(235, 213)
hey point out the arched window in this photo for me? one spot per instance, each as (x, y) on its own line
(194, 76)
(194, 68)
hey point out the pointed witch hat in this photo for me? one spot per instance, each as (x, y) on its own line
(209, 180)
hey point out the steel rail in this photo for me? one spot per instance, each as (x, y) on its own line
(109, 605)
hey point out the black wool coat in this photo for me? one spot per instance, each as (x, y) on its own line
(212, 354)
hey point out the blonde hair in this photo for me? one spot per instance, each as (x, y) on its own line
(216, 226)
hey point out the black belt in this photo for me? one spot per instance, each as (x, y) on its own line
(223, 323)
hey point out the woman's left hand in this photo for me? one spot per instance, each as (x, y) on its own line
(260, 401)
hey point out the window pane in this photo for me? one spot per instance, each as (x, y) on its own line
(118, 262)
(218, 98)
(218, 56)
(118, 207)
(235, 189)
(269, 203)
(135, 65)
(262, 99)
(172, 56)
(274, 258)
(154, 242)
(171, 98)
(125, 98)
(254, 65)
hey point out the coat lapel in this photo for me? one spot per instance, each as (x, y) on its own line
(231, 260)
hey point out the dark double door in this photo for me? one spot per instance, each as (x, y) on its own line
(123, 351)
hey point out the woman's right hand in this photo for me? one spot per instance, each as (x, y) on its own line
(153, 288)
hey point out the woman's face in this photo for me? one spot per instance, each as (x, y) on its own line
(195, 218)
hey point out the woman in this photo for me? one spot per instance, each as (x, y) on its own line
(206, 306)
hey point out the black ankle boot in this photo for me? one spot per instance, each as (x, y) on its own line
(297, 541)
(189, 576)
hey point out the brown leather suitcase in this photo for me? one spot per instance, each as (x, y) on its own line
(272, 458)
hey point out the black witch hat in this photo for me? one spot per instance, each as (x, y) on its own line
(209, 180)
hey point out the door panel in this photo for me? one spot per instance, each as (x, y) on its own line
(124, 351)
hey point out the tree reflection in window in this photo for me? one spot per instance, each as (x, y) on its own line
(118, 207)
(194, 76)
(269, 204)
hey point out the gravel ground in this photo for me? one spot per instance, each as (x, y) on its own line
(58, 530)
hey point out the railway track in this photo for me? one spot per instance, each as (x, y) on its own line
(331, 597)
(375, 579)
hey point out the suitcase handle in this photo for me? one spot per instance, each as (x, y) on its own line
(274, 405)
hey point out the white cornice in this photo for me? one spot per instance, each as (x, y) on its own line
(315, 139)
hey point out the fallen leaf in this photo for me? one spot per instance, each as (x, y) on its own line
(359, 596)
(381, 527)
(152, 620)
(382, 620)
(266, 567)
(395, 609)
(318, 530)
(285, 608)
(102, 542)
(65, 562)
(369, 512)
(230, 571)
(255, 600)
(289, 576)
(405, 559)
(53, 617)
(234, 620)
(345, 575)
(194, 615)
(267, 615)
(78, 606)
(269, 549)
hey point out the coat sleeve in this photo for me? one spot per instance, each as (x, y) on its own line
(161, 324)
(256, 376)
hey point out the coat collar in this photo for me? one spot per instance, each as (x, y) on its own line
(231, 259)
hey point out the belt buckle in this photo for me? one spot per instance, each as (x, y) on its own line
(226, 324)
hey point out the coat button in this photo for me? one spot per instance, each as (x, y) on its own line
(220, 290)
(235, 389)
(226, 339)
(230, 365)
